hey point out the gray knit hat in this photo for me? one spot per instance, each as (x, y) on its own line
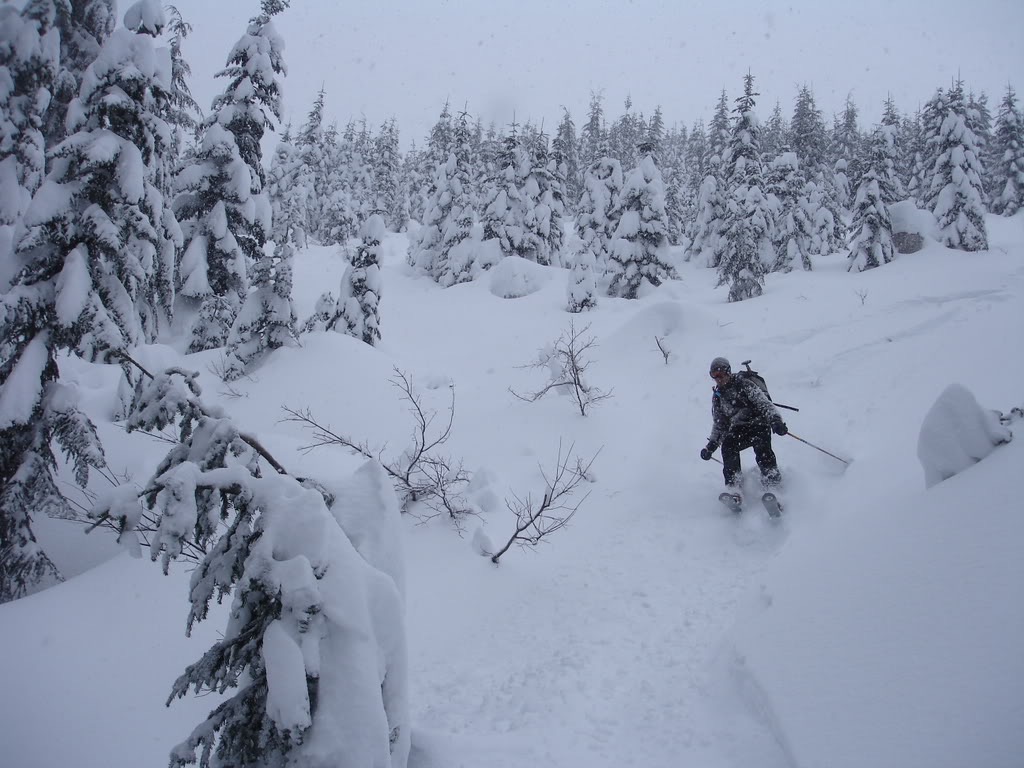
(720, 364)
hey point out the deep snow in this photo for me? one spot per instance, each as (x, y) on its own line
(878, 624)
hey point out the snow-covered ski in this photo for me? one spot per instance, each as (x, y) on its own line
(731, 500)
(772, 504)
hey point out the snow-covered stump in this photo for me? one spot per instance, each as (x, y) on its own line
(957, 433)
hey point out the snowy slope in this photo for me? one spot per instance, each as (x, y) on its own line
(617, 641)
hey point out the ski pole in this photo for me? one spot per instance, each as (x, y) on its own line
(806, 442)
(787, 407)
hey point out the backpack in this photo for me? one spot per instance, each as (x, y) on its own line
(754, 376)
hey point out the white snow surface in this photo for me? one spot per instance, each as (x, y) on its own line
(878, 624)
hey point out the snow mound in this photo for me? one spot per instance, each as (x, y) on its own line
(514, 277)
(890, 635)
(956, 433)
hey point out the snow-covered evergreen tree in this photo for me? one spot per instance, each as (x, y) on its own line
(844, 152)
(581, 291)
(956, 186)
(183, 112)
(386, 165)
(932, 116)
(807, 135)
(979, 120)
(747, 250)
(106, 172)
(450, 216)
(84, 26)
(638, 252)
(598, 211)
(299, 591)
(289, 189)
(358, 310)
(592, 136)
(505, 212)
(267, 319)
(793, 227)
(541, 238)
(29, 51)
(566, 157)
(774, 137)
(216, 209)
(872, 244)
(719, 135)
(222, 204)
(1008, 177)
(891, 178)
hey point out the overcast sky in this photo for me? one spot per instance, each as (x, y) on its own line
(403, 58)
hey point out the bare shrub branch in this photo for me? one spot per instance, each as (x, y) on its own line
(421, 472)
(661, 347)
(555, 510)
(567, 361)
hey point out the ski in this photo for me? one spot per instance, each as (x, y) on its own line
(731, 500)
(772, 505)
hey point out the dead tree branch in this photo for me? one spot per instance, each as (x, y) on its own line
(661, 347)
(421, 472)
(567, 361)
(555, 510)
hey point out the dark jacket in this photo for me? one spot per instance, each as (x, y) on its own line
(740, 403)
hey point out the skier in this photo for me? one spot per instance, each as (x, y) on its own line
(743, 417)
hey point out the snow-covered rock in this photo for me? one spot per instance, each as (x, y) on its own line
(956, 433)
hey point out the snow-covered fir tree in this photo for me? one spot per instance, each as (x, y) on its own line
(267, 318)
(107, 172)
(581, 291)
(565, 155)
(625, 134)
(792, 233)
(844, 153)
(505, 212)
(979, 120)
(84, 26)
(215, 206)
(872, 244)
(747, 251)
(933, 114)
(90, 281)
(912, 144)
(807, 135)
(183, 112)
(592, 136)
(891, 179)
(597, 215)
(1008, 176)
(542, 230)
(323, 313)
(638, 252)
(298, 588)
(387, 195)
(29, 52)
(358, 310)
(222, 204)
(439, 250)
(719, 136)
(289, 189)
(956, 186)
(706, 242)
(774, 136)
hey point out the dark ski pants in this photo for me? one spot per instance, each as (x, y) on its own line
(750, 436)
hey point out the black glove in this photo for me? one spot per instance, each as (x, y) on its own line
(705, 453)
(779, 427)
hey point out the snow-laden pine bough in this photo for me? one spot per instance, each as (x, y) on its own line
(314, 649)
